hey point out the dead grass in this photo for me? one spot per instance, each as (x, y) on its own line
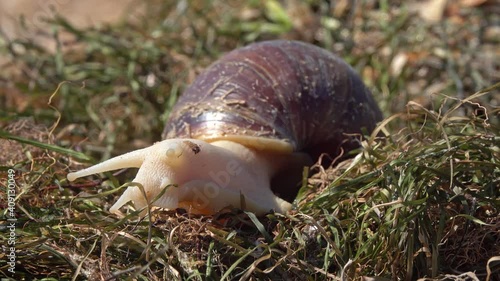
(421, 200)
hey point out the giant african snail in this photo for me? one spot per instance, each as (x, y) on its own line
(258, 110)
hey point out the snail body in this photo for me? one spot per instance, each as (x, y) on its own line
(258, 111)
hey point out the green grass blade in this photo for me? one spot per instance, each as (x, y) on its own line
(51, 147)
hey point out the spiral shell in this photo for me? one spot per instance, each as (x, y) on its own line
(280, 96)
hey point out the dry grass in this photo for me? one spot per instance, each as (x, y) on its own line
(421, 199)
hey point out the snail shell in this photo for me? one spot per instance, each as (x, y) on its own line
(258, 112)
(280, 96)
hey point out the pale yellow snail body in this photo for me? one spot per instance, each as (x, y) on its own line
(251, 120)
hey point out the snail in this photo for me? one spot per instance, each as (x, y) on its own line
(259, 113)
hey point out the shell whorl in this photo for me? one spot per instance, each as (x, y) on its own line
(299, 96)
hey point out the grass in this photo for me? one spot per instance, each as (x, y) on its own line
(420, 200)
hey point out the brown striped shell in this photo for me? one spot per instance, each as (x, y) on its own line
(280, 96)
